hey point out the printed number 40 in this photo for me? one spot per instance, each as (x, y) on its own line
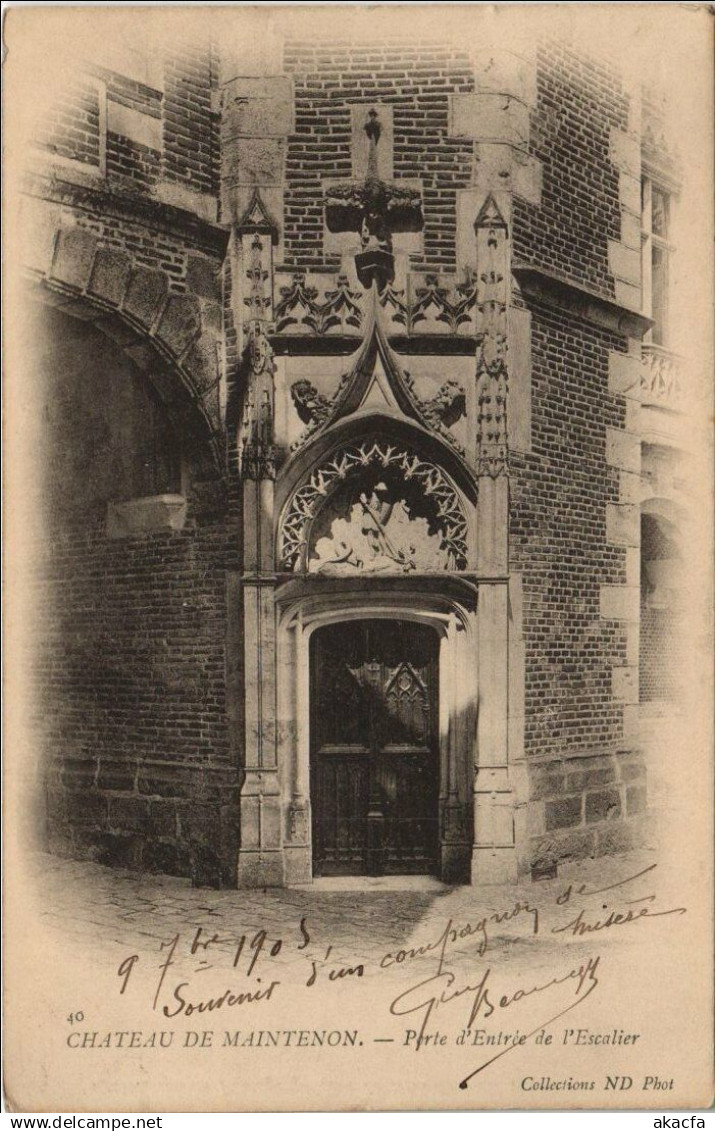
(75, 1017)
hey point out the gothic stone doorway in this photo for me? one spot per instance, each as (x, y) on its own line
(374, 763)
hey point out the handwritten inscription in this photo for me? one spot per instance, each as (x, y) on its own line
(452, 934)
(458, 983)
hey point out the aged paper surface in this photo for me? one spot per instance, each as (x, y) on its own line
(130, 990)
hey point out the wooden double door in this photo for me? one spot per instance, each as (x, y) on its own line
(374, 748)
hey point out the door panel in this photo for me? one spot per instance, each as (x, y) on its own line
(339, 837)
(408, 790)
(374, 756)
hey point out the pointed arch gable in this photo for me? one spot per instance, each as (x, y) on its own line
(373, 351)
(376, 382)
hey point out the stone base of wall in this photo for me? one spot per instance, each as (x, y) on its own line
(587, 804)
(154, 818)
(184, 821)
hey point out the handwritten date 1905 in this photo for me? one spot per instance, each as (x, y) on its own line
(247, 950)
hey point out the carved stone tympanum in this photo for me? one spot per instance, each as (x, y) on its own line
(379, 534)
(374, 507)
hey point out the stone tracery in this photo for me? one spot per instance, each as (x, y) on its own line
(449, 526)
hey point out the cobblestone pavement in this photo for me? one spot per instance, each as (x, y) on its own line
(116, 911)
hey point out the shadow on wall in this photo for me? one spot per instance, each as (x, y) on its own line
(128, 640)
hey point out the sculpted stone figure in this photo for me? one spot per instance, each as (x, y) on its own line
(312, 407)
(447, 405)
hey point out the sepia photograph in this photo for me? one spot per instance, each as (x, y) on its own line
(358, 378)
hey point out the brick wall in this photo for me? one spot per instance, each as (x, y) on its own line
(185, 266)
(579, 101)
(558, 539)
(130, 633)
(72, 129)
(130, 651)
(132, 675)
(131, 164)
(417, 84)
(177, 136)
(131, 161)
(587, 783)
(190, 125)
(130, 93)
(139, 139)
(659, 654)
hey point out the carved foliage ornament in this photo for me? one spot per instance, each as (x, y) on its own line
(447, 547)
(341, 312)
(492, 374)
(257, 301)
(432, 302)
(299, 307)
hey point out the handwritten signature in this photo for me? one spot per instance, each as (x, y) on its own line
(442, 987)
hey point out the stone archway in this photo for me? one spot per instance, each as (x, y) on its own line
(105, 644)
(174, 337)
(377, 572)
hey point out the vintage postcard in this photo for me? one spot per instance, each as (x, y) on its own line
(358, 512)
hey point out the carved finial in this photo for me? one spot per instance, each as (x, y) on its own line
(257, 218)
(489, 215)
(492, 373)
(375, 210)
(256, 300)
